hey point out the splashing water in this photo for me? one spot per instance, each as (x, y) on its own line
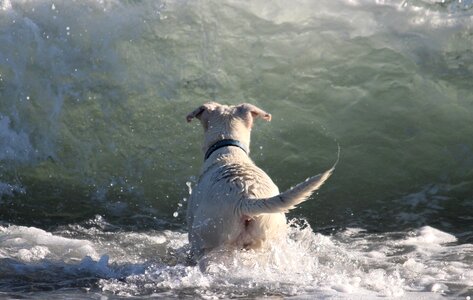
(93, 96)
(422, 263)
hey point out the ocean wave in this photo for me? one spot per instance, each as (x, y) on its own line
(425, 262)
(94, 94)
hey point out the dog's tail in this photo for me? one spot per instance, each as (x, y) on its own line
(288, 199)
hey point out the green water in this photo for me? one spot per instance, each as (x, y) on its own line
(94, 98)
(96, 155)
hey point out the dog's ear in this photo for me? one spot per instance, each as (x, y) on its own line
(197, 113)
(255, 112)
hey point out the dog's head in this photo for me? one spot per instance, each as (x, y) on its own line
(227, 122)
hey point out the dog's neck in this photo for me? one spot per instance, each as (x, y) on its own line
(225, 143)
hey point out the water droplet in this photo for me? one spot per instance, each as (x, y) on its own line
(189, 185)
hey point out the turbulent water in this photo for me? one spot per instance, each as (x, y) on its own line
(96, 159)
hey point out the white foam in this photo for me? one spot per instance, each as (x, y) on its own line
(5, 4)
(304, 263)
(33, 244)
(34, 253)
(352, 264)
(429, 236)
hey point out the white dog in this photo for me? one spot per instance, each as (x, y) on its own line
(235, 203)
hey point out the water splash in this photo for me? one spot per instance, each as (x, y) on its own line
(351, 263)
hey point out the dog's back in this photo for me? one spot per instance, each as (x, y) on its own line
(235, 203)
(213, 211)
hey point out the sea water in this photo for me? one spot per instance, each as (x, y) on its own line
(97, 161)
(94, 260)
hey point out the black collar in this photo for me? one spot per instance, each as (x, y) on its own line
(224, 143)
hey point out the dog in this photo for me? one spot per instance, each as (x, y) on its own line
(235, 203)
